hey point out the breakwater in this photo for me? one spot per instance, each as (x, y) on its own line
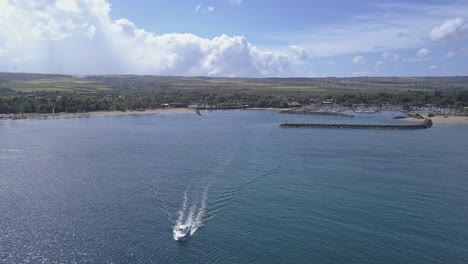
(426, 124)
(305, 112)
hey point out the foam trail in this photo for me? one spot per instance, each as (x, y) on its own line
(181, 213)
(189, 220)
(194, 218)
(182, 210)
(198, 220)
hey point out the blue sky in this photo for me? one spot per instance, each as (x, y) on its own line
(248, 38)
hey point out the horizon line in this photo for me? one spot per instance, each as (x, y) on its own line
(239, 77)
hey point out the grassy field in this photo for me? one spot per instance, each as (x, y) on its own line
(60, 84)
(51, 84)
(23, 84)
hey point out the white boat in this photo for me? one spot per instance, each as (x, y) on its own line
(181, 232)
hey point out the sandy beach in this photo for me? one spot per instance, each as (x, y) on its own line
(89, 114)
(435, 119)
(442, 119)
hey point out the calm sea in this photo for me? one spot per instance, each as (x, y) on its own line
(109, 189)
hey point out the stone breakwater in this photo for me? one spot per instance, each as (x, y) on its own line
(305, 112)
(426, 124)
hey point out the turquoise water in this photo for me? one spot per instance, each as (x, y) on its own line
(109, 189)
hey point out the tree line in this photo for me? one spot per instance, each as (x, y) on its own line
(80, 103)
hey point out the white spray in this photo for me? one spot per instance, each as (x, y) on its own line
(195, 215)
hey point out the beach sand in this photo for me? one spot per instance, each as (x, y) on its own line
(154, 111)
(89, 114)
(443, 120)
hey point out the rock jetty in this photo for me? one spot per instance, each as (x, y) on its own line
(308, 112)
(426, 124)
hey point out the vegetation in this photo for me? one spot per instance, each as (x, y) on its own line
(36, 93)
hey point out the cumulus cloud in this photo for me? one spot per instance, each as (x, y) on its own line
(390, 56)
(299, 53)
(199, 9)
(449, 29)
(378, 63)
(80, 37)
(433, 67)
(423, 54)
(70, 6)
(359, 60)
(209, 9)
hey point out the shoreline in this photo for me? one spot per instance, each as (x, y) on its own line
(267, 109)
(441, 119)
(34, 116)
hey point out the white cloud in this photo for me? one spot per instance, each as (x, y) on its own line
(299, 53)
(235, 2)
(449, 29)
(389, 27)
(47, 39)
(451, 54)
(378, 63)
(390, 56)
(331, 63)
(423, 54)
(91, 31)
(359, 60)
(199, 9)
(70, 6)
(433, 67)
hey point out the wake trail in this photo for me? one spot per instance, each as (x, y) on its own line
(198, 220)
(193, 216)
(183, 208)
(229, 194)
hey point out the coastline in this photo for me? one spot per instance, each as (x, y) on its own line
(442, 119)
(267, 109)
(31, 116)
(34, 116)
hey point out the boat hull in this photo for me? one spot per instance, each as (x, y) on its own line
(182, 237)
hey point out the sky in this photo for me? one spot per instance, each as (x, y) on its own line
(235, 38)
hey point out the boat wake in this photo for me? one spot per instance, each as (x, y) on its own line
(191, 217)
(224, 198)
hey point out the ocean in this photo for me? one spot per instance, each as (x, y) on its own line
(110, 189)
